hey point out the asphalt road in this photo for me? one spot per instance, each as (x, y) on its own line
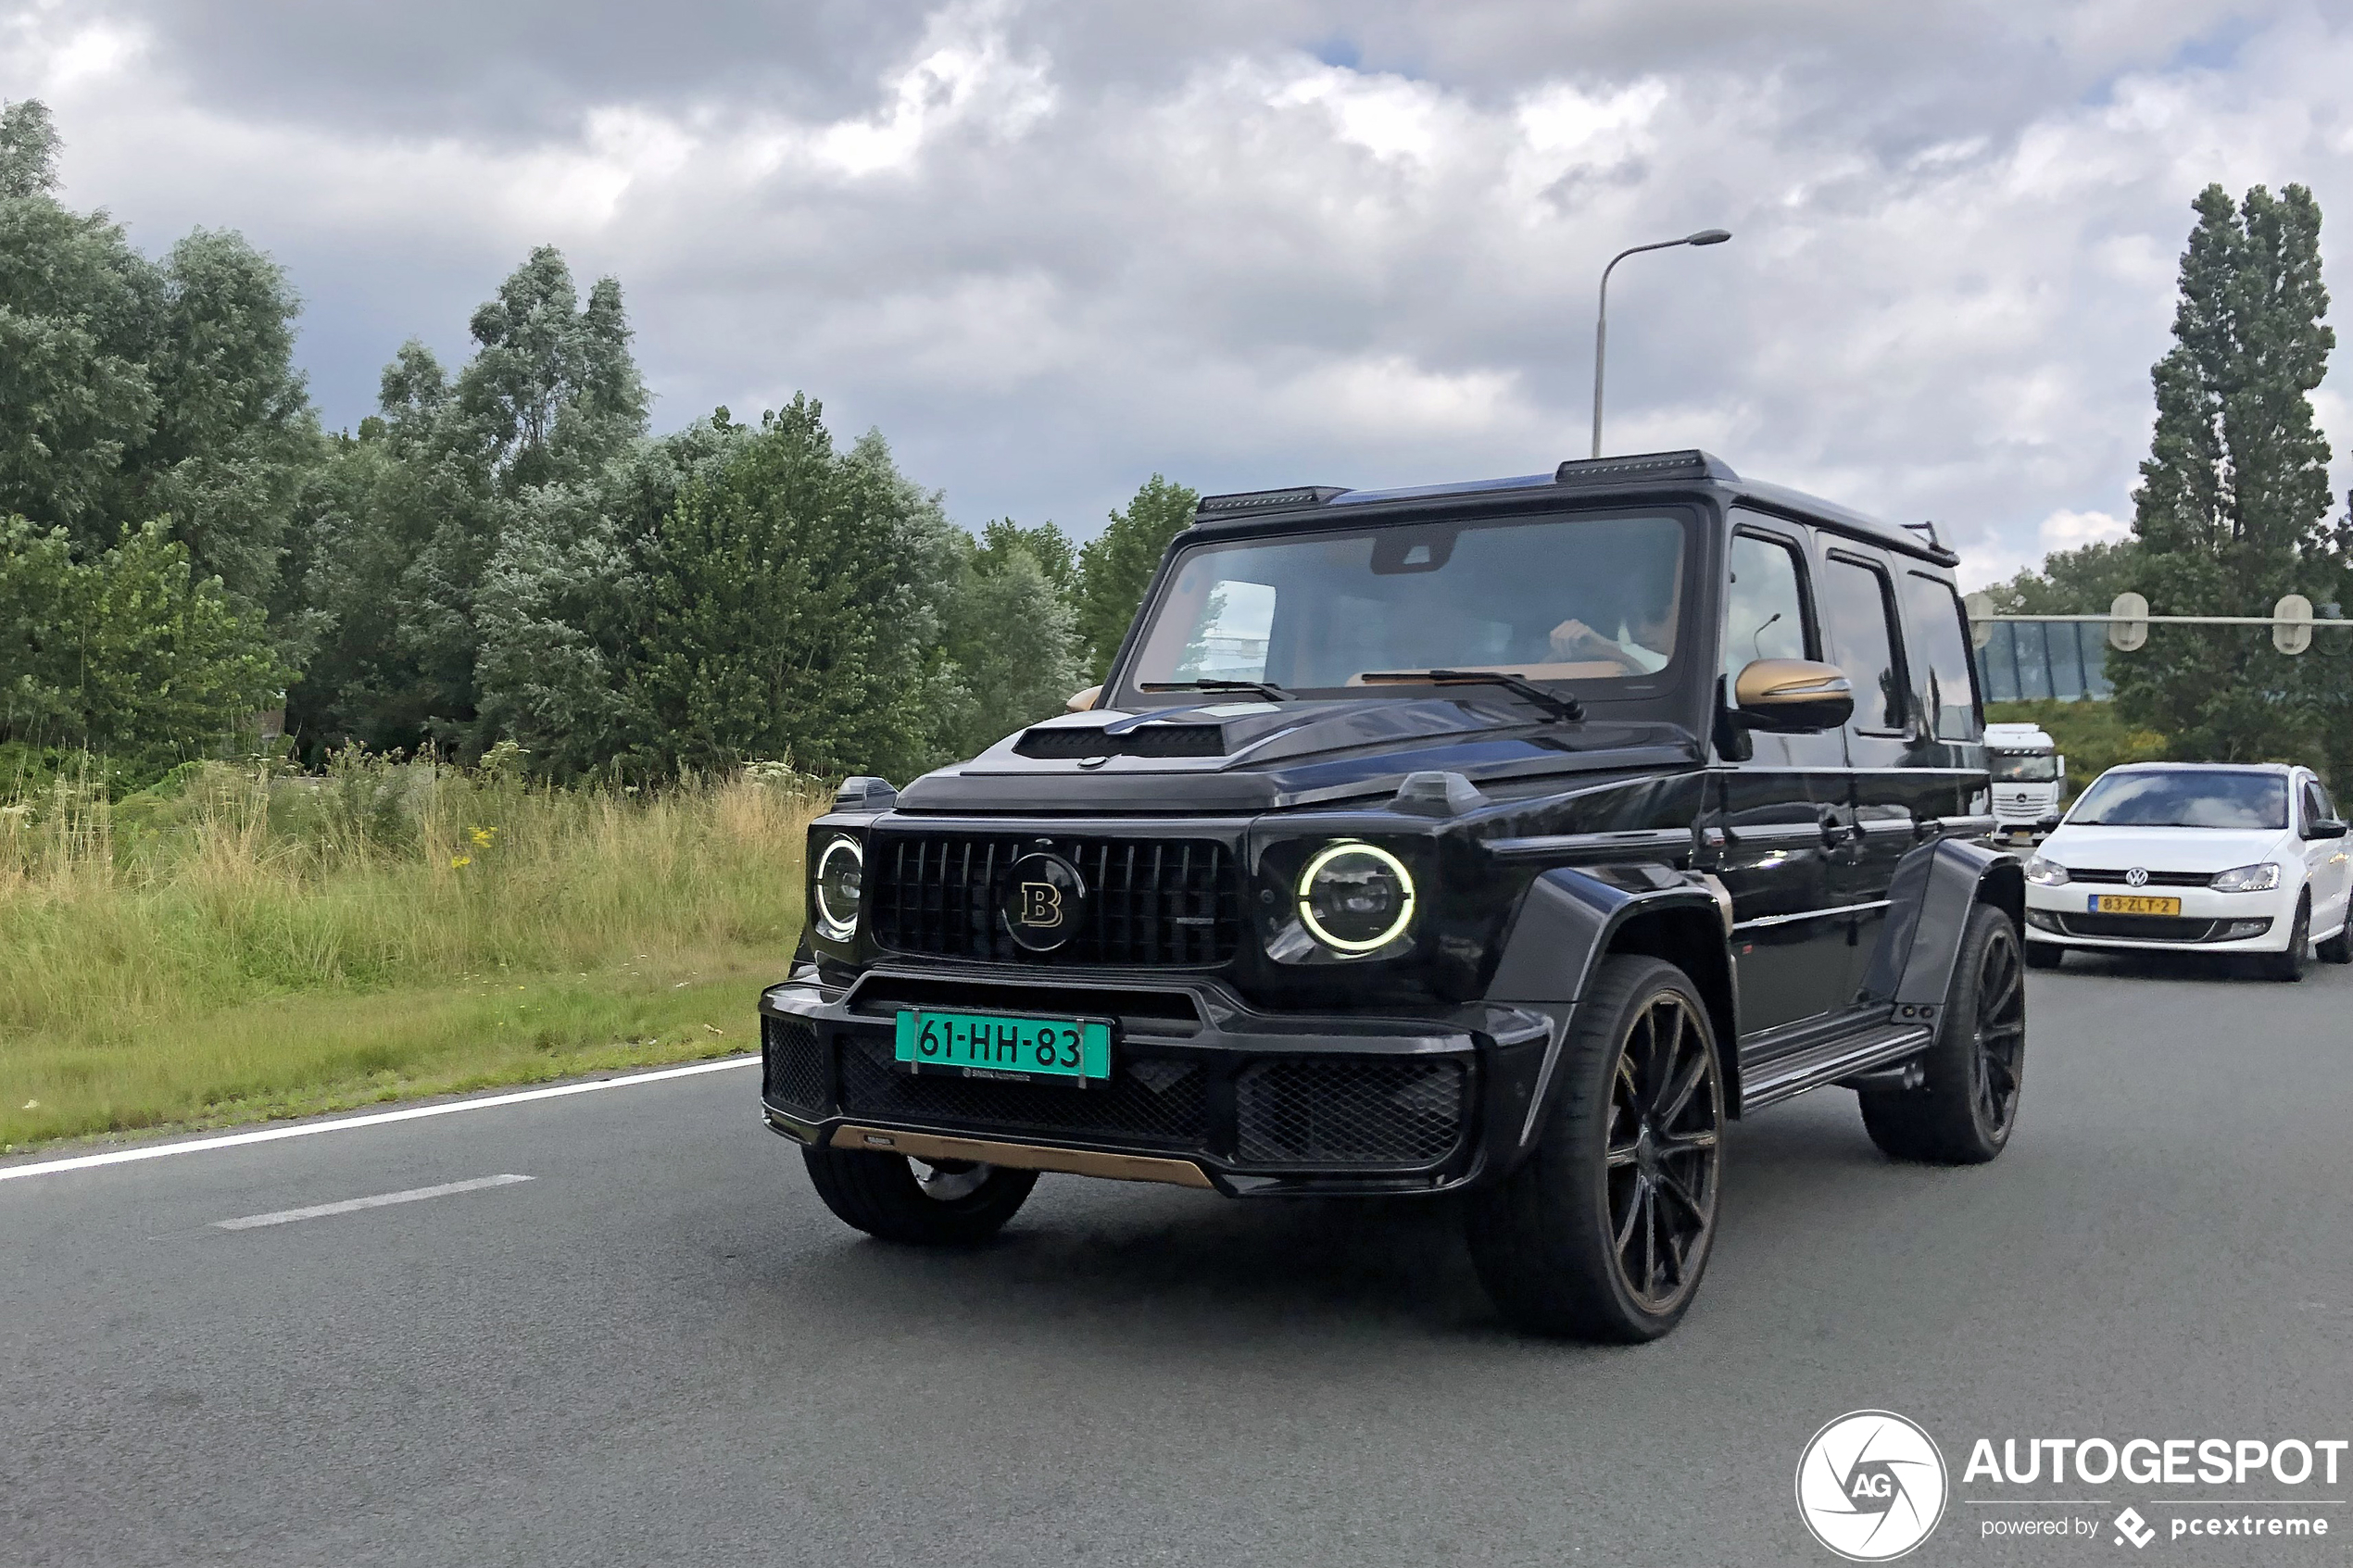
(662, 1350)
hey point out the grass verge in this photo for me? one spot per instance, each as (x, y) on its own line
(243, 949)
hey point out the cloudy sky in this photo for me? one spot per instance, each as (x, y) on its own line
(1051, 246)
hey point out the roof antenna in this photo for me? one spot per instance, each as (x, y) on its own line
(1928, 529)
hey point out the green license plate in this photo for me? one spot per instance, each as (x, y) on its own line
(973, 1045)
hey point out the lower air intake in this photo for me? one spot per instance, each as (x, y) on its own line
(1350, 1110)
(1150, 1099)
(794, 1067)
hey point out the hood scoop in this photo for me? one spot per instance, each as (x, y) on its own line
(1147, 740)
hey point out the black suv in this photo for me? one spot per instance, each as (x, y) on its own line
(1504, 838)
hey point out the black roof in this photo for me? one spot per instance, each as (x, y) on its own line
(1644, 474)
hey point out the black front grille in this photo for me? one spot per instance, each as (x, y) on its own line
(1148, 740)
(2155, 879)
(2148, 928)
(1348, 1110)
(1149, 1100)
(1151, 901)
(794, 1067)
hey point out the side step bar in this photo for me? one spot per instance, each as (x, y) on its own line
(1770, 1082)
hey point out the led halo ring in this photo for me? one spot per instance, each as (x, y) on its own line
(830, 925)
(1331, 852)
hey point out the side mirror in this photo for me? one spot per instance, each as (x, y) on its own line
(1792, 696)
(1082, 701)
(2326, 827)
(2049, 823)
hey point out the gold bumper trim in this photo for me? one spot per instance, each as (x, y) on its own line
(1025, 1157)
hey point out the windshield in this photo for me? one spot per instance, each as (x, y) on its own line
(2201, 799)
(2023, 767)
(1587, 598)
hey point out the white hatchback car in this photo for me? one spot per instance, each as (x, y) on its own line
(2180, 857)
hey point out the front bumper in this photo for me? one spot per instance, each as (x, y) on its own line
(1255, 1103)
(2210, 921)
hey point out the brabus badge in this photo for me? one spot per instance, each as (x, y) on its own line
(1045, 901)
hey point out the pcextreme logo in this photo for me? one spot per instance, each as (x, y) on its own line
(1870, 1485)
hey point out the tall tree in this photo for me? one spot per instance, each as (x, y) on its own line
(130, 391)
(796, 611)
(2230, 511)
(1115, 568)
(411, 519)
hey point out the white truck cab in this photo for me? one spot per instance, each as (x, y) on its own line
(2030, 777)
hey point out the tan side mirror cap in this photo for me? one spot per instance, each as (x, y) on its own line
(1792, 696)
(1081, 701)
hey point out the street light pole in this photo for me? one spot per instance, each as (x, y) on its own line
(1601, 320)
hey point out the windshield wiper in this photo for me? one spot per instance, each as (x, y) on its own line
(1566, 708)
(1270, 692)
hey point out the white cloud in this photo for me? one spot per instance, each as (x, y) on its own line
(1052, 248)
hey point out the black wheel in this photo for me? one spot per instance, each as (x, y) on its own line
(2045, 955)
(921, 1202)
(2289, 963)
(1604, 1233)
(1967, 1103)
(2339, 948)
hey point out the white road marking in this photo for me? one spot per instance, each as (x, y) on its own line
(376, 1118)
(351, 1204)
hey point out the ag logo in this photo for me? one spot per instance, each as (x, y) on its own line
(1045, 901)
(1870, 1485)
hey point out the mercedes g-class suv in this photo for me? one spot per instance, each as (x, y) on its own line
(1499, 839)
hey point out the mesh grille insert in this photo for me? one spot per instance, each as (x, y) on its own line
(794, 1066)
(1153, 1100)
(1172, 902)
(2148, 928)
(1148, 740)
(1350, 1110)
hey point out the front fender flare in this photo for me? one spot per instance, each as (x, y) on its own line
(1929, 902)
(1570, 922)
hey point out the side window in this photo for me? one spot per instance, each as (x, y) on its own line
(1941, 666)
(1862, 628)
(1765, 605)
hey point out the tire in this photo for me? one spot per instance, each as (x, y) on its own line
(1604, 1232)
(2045, 955)
(1967, 1103)
(2290, 962)
(2339, 948)
(948, 1204)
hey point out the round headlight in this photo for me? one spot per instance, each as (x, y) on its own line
(840, 871)
(1355, 898)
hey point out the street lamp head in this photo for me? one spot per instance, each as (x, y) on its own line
(1708, 237)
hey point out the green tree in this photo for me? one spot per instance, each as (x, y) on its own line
(1012, 635)
(1115, 568)
(407, 527)
(130, 390)
(128, 652)
(28, 150)
(2230, 510)
(796, 612)
(2084, 580)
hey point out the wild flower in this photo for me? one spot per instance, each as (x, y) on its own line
(460, 862)
(482, 836)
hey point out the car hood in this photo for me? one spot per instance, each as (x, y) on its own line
(1272, 755)
(2163, 849)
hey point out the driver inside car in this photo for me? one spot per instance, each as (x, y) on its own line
(1645, 638)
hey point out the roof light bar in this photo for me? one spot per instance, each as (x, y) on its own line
(1691, 464)
(1268, 500)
